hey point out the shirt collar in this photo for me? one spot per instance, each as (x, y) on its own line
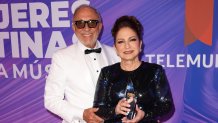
(83, 47)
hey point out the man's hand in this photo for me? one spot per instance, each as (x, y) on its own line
(90, 117)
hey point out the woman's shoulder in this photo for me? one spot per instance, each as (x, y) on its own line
(111, 67)
(151, 65)
(110, 70)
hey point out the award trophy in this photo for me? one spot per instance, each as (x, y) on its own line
(130, 97)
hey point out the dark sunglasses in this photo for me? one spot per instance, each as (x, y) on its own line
(91, 23)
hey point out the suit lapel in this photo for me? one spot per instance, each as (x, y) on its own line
(83, 65)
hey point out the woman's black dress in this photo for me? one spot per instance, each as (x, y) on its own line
(150, 86)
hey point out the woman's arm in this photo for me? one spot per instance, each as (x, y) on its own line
(163, 103)
(101, 101)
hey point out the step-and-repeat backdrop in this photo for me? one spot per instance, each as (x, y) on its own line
(181, 35)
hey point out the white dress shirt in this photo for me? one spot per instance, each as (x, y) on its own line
(70, 86)
(94, 61)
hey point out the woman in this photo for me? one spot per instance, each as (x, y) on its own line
(147, 82)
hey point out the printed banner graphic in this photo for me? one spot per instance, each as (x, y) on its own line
(180, 35)
(199, 21)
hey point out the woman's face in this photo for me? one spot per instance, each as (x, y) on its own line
(127, 44)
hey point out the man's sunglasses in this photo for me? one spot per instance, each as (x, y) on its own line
(91, 23)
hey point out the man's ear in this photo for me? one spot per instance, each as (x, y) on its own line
(73, 27)
(100, 26)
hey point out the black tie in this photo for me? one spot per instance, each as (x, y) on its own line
(87, 51)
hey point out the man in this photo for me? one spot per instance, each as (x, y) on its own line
(70, 86)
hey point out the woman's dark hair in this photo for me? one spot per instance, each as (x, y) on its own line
(128, 21)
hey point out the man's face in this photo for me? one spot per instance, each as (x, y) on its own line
(88, 36)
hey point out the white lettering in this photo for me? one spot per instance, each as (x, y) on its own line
(3, 71)
(216, 61)
(14, 45)
(36, 18)
(150, 56)
(180, 60)
(21, 72)
(56, 39)
(3, 36)
(160, 59)
(204, 60)
(58, 16)
(18, 14)
(168, 61)
(39, 70)
(47, 68)
(5, 16)
(195, 61)
(27, 43)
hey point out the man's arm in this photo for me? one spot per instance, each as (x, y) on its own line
(90, 117)
(54, 92)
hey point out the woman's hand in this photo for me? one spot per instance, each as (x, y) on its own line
(122, 107)
(139, 115)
